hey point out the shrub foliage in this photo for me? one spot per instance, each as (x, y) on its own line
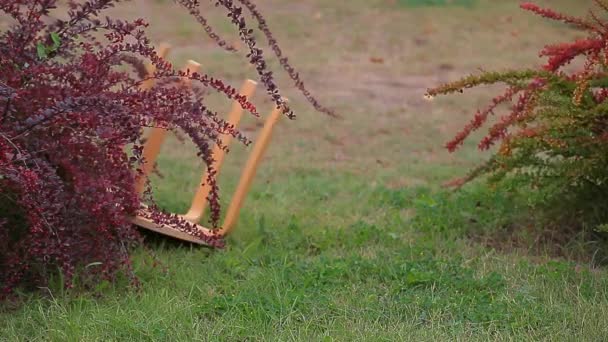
(555, 135)
(72, 115)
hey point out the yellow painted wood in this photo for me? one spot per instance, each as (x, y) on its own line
(199, 202)
(249, 172)
(156, 138)
(146, 223)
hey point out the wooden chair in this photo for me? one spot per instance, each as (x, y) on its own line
(199, 202)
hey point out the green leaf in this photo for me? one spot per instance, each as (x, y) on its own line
(41, 51)
(56, 40)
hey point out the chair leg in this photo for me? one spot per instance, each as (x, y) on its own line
(156, 138)
(199, 202)
(249, 172)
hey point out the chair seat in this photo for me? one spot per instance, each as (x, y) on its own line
(147, 223)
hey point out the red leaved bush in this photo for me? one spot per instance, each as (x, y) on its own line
(68, 108)
(554, 137)
(528, 83)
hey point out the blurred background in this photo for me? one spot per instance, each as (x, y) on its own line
(371, 61)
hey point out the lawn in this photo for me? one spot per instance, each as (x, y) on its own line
(347, 233)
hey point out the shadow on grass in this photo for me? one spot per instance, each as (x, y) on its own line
(503, 219)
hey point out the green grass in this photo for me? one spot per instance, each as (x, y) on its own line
(369, 273)
(346, 234)
(382, 276)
